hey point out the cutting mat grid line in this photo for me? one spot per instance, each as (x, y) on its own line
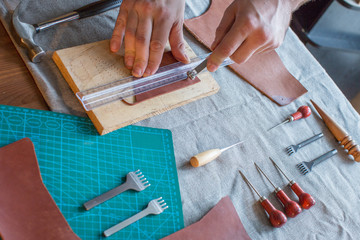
(77, 164)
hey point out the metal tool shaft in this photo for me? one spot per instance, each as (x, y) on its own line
(265, 175)
(249, 183)
(238, 143)
(279, 169)
(65, 18)
(278, 125)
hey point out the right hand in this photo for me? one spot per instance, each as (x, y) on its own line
(144, 26)
(249, 27)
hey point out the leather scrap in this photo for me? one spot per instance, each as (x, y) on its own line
(27, 211)
(265, 71)
(222, 222)
(167, 59)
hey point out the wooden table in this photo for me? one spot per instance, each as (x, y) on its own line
(17, 87)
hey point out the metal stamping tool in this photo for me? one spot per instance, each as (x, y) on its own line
(305, 167)
(155, 207)
(27, 31)
(134, 180)
(294, 148)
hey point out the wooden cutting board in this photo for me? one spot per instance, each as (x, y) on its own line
(92, 65)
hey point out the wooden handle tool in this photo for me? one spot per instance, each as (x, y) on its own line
(339, 133)
(209, 155)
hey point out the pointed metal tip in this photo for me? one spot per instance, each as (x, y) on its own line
(242, 175)
(257, 167)
(272, 160)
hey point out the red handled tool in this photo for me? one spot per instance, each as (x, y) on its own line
(306, 200)
(292, 209)
(302, 112)
(276, 217)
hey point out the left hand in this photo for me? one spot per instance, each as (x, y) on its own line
(249, 27)
(144, 26)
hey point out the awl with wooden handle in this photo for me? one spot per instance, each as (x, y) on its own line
(209, 155)
(302, 112)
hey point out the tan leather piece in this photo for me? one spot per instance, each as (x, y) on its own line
(221, 222)
(27, 211)
(264, 71)
(167, 59)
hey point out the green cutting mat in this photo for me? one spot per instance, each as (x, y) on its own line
(77, 164)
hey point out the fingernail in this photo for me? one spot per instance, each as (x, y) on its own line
(212, 67)
(137, 72)
(129, 62)
(187, 59)
(114, 45)
(147, 72)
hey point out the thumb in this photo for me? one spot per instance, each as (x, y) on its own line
(177, 43)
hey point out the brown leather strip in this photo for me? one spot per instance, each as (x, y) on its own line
(168, 58)
(264, 71)
(222, 222)
(27, 210)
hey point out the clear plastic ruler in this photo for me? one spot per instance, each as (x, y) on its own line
(130, 86)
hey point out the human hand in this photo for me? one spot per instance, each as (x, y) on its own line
(144, 26)
(249, 27)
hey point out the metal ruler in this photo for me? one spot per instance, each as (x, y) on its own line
(131, 86)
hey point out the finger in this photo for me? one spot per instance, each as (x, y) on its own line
(263, 49)
(267, 42)
(225, 24)
(129, 39)
(228, 45)
(247, 49)
(158, 40)
(177, 43)
(119, 30)
(143, 34)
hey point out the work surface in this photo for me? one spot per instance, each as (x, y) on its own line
(77, 165)
(237, 112)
